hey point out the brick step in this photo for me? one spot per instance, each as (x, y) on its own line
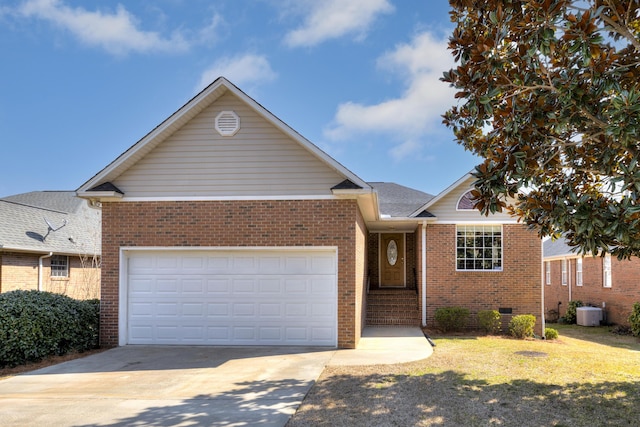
(392, 307)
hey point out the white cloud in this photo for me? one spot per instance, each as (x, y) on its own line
(116, 32)
(242, 70)
(329, 19)
(409, 118)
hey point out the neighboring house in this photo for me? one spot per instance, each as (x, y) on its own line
(50, 241)
(604, 282)
(225, 226)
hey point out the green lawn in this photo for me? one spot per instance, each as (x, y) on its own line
(588, 377)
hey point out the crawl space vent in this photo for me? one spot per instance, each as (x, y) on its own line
(227, 123)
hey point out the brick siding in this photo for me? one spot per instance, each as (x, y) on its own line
(238, 223)
(19, 271)
(517, 286)
(618, 299)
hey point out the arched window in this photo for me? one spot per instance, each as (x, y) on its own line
(465, 202)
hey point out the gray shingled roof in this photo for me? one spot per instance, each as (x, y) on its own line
(23, 226)
(555, 248)
(397, 200)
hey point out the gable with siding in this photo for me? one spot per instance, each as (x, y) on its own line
(259, 160)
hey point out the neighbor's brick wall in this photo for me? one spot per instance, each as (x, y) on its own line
(20, 271)
(517, 286)
(619, 299)
(235, 223)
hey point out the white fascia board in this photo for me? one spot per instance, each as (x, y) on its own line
(224, 198)
(100, 195)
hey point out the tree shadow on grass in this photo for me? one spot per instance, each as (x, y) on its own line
(250, 403)
(451, 399)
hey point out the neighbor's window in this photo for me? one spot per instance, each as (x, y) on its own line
(606, 271)
(564, 272)
(579, 272)
(59, 266)
(479, 247)
(548, 272)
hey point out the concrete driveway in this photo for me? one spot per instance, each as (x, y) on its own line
(166, 386)
(189, 386)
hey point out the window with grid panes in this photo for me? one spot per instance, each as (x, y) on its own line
(59, 266)
(479, 247)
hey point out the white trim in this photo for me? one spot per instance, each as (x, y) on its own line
(579, 275)
(495, 222)
(564, 272)
(424, 273)
(607, 280)
(542, 307)
(547, 272)
(126, 251)
(224, 198)
(455, 245)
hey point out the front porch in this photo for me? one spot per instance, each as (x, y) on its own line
(392, 291)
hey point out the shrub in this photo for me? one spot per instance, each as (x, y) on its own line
(452, 318)
(36, 324)
(634, 320)
(570, 315)
(490, 321)
(550, 333)
(521, 326)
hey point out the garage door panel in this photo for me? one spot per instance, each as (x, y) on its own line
(233, 298)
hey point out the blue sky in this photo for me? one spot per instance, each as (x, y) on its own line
(82, 81)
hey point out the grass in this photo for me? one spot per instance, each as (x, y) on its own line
(586, 377)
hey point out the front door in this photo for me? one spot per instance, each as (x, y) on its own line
(392, 272)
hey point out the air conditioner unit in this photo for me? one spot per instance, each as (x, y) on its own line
(588, 316)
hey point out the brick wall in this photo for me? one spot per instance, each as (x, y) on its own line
(238, 223)
(20, 271)
(618, 299)
(517, 286)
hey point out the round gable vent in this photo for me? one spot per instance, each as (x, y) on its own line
(227, 123)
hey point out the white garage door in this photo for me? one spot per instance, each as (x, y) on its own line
(233, 297)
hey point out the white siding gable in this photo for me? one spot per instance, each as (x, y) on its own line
(445, 209)
(257, 161)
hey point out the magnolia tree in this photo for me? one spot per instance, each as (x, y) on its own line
(549, 96)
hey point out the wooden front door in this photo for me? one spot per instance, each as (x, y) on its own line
(392, 271)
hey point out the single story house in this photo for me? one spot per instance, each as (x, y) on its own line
(224, 226)
(50, 241)
(598, 281)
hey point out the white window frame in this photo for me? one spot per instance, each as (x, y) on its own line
(548, 272)
(481, 228)
(606, 271)
(564, 272)
(466, 195)
(578, 271)
(59, 266)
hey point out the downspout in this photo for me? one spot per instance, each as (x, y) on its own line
(40, 268)
(424, 273)
(542, 284)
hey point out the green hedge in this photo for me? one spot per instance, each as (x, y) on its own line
(572, 311)
(490, 321)
(452, 318)
(521, 326)
(634, 320)
(36, 324)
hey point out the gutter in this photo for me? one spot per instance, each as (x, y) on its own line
(424, 273)
(542, 285)
(40, 268)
